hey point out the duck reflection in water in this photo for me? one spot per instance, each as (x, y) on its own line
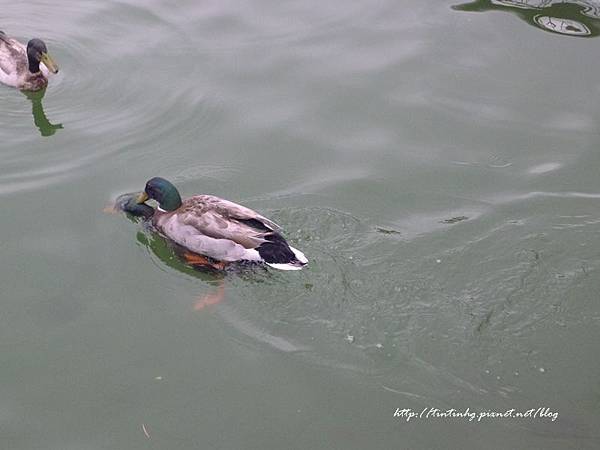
(171, 254)
(580, 18)
(39, 116)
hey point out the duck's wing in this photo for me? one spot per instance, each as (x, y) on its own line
(14, 67)
(221, 219)
(13, 57)
(231, 210)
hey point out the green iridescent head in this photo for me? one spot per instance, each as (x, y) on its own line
(38, 53)
(163, 192)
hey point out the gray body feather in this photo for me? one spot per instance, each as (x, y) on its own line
(216, 227)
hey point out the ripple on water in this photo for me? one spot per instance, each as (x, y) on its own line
(106, 94)
(349, 287)
(432, 307)
(275, 23)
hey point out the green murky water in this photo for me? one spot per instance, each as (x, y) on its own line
(437, 163)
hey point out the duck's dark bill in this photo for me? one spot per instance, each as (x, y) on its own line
(129, 204)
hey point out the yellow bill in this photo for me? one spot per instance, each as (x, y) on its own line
(49, 63)
(142, 198)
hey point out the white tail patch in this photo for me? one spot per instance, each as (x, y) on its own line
(299, 255)
(302, 261)
(284, 266)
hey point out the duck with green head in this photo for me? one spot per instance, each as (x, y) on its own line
(20, 65)
(222, 230)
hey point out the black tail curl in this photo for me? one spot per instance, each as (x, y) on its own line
(276, 250)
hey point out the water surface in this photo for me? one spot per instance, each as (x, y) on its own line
(436, 162)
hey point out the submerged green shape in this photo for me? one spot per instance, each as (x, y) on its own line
(128, 203)
(39, 116)
(169, 254)
(576, 19)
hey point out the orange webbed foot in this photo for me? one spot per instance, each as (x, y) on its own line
(210, 299)
(110, 209)
(195, 259)
(219, 265)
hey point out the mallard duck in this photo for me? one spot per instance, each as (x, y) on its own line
(128, 204)
(20, 65)
(219, 229)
